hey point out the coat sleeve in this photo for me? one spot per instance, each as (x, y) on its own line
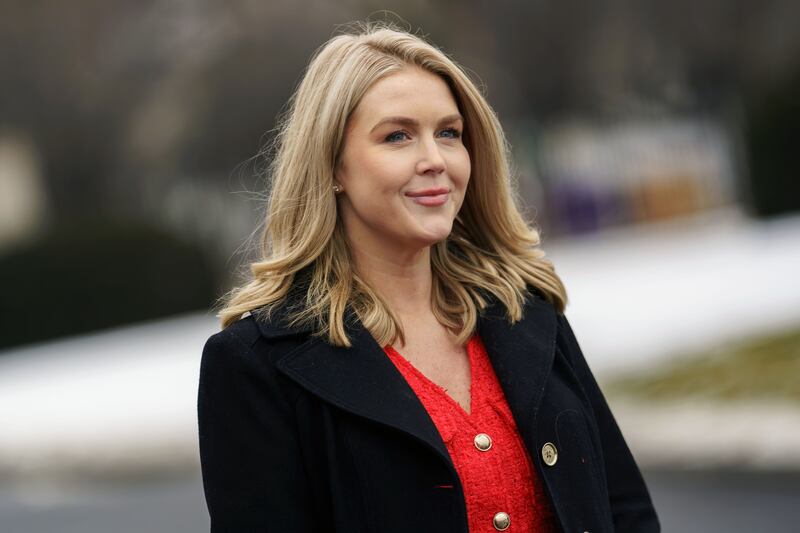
(631, 506)
(253, 476)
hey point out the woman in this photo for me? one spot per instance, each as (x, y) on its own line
(400, 360)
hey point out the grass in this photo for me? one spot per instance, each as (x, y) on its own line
(764, 368)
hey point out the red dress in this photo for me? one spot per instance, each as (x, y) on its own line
(501, 488)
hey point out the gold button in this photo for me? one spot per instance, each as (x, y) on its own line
(482, 441)
(501, 521)
(549, 453)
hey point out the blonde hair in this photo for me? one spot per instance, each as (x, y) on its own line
(491, 250)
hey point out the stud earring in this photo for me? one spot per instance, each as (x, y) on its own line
(337, 189)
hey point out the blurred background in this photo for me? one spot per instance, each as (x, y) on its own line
(652, 144)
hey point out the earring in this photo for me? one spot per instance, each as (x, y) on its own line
(337, 189)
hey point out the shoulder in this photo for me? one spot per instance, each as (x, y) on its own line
(230, 350)
(242, 333)
(565, 335)
(239, 362)
(238, 340)
(539, 298)
(240, 344)
(255, 340)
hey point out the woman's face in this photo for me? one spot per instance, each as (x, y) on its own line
(404, 168)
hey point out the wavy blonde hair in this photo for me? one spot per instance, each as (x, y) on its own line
(491, 250)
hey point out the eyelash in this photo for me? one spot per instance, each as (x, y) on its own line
(456, 132)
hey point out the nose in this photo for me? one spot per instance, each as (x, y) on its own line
(430, 160)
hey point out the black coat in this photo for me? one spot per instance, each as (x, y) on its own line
(297, 435)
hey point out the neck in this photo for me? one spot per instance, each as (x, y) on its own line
(404, 279)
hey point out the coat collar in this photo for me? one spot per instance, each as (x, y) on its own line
(364, 381)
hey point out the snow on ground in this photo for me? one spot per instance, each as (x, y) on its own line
(123, 400)
(697, 434)
(110, 401)
(639, 295)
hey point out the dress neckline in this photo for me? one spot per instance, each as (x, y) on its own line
(473, 389)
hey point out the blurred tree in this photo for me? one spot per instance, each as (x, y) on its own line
(773, 127)
(96, 273)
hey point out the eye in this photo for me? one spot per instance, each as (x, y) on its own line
(392, 137)
(452, 131)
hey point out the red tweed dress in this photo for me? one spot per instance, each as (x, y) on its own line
(501, 488)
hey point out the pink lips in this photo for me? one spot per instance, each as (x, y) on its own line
(430, 197)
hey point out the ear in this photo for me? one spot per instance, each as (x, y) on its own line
(339, 174)
(338, 166)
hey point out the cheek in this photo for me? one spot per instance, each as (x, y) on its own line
(374, 190)
(461, 169)
(378, 172)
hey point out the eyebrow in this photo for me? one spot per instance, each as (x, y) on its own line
(407, 121)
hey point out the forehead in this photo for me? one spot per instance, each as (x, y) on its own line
(412, 91)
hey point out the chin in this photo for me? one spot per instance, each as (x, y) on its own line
(438, 233)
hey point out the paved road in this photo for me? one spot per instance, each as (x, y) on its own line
(726, 501)
(687, 503)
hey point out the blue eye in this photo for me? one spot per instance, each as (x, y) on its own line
(391, 136)
(454, 131)
(394, 137)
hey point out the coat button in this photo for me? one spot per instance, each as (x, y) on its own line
(501, 521)
(549, 453)
(482, 441)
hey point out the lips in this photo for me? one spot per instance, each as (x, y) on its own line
(428, 192)
(430, 197)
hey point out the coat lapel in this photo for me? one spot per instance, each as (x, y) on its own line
(522, 357)
(364, 381)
